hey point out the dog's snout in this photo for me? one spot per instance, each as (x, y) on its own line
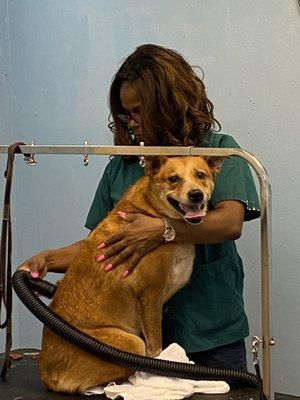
(195, 195)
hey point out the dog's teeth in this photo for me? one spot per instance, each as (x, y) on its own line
(191, 207)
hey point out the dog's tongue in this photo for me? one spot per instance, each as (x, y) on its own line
(195, 214)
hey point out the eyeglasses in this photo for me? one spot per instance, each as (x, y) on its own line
(126, 118)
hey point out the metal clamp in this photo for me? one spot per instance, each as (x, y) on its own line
(142, 158)
(86, 157)
(29, 159)
(256, 341)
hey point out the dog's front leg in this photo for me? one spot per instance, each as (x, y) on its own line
(151, 314)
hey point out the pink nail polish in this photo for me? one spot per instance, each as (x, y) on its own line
(125, 273)
(34, 274)
(108, 267)
(101, 258)
(101, 245)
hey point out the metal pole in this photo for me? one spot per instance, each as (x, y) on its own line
(265, 220)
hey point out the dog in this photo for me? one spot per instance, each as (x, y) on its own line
(126, 313)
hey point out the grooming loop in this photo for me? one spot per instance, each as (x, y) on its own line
(256, 341)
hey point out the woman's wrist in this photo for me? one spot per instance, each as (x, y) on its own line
(59, 260)
(160, 227)
(52, 260)
(56, 260)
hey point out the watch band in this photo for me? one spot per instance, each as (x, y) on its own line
(169, 233)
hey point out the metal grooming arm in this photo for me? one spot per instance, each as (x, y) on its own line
(265, 203)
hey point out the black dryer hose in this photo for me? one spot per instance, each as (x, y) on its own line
(24, 286)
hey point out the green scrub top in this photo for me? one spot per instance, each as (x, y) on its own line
(209, 311)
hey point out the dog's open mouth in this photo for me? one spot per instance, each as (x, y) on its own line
(192, 213)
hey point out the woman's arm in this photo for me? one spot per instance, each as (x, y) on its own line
(224, 222)
(57, 260)
(142, 233)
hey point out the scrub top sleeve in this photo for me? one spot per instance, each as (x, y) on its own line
(102, 203)
(235, 182)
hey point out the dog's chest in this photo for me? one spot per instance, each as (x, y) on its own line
(182, 266)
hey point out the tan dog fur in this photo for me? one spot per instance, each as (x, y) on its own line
(116, 310)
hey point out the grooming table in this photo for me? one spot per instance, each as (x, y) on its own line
(23, 383)
(37, 392)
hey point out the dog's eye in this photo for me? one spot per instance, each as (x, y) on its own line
(201, 175)
(173, 179)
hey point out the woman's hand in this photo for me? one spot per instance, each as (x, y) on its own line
(36, 265)
(140, 235)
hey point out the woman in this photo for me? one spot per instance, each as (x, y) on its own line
(157, 98)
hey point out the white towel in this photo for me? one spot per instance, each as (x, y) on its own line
(145, 386)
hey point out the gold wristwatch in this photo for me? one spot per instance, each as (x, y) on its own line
(169, 233)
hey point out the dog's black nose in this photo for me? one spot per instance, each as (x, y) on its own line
(195, 195)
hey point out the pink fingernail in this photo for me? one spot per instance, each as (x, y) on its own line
(125, 273)
(108, 267)
(121, 213)
(101, 245)
(101, 258)
(34, 274)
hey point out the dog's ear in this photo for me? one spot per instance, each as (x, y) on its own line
(153, 163)
(215, 163)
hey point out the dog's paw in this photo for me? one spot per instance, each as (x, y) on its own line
(153, 353)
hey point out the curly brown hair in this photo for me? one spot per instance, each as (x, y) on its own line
(175, 110)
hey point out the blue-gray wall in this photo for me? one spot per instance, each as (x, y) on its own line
(57, 59)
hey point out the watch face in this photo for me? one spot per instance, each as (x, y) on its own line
(169, 235)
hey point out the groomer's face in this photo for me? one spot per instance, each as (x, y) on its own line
(131, 104)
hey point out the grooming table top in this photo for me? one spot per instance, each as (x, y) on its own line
(23, 383)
